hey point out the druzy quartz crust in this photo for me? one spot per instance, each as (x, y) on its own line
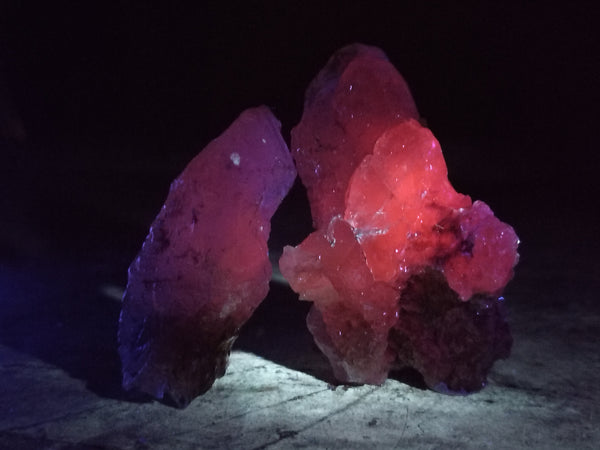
(402, 270)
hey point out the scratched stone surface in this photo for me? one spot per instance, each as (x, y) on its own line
(61, 387)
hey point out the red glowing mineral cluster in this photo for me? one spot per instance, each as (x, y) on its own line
(401, 269)
(204, 266)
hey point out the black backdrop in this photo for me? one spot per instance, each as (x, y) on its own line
(105, 102)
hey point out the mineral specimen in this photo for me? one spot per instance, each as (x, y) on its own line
(402, 268)
(204, 266)
(341, 122)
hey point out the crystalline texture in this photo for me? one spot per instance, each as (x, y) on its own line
(204, 266)
(401, 268)
(453, 343)
(341, 123)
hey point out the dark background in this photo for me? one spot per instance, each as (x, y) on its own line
(102, 104)
(105, 102)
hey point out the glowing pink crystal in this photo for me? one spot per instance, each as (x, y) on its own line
(341, 122)
(204, 266)
(401, 268)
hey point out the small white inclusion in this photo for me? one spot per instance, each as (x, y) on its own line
(235, 158)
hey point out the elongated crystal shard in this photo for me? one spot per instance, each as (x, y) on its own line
(204, 265)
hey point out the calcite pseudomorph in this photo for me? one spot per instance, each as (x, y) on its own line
(204, 265)
(401, 269)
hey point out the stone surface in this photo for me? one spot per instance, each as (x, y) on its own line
(204, 266)
(61, 390)
(401, 269)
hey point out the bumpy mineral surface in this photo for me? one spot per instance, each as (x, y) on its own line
(204, 265)
(401, 268)
(350, 103)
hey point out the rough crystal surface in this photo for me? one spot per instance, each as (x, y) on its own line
(204, 265)
(401, 268)
(341, 123)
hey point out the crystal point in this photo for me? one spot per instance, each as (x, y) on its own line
(340, 119)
